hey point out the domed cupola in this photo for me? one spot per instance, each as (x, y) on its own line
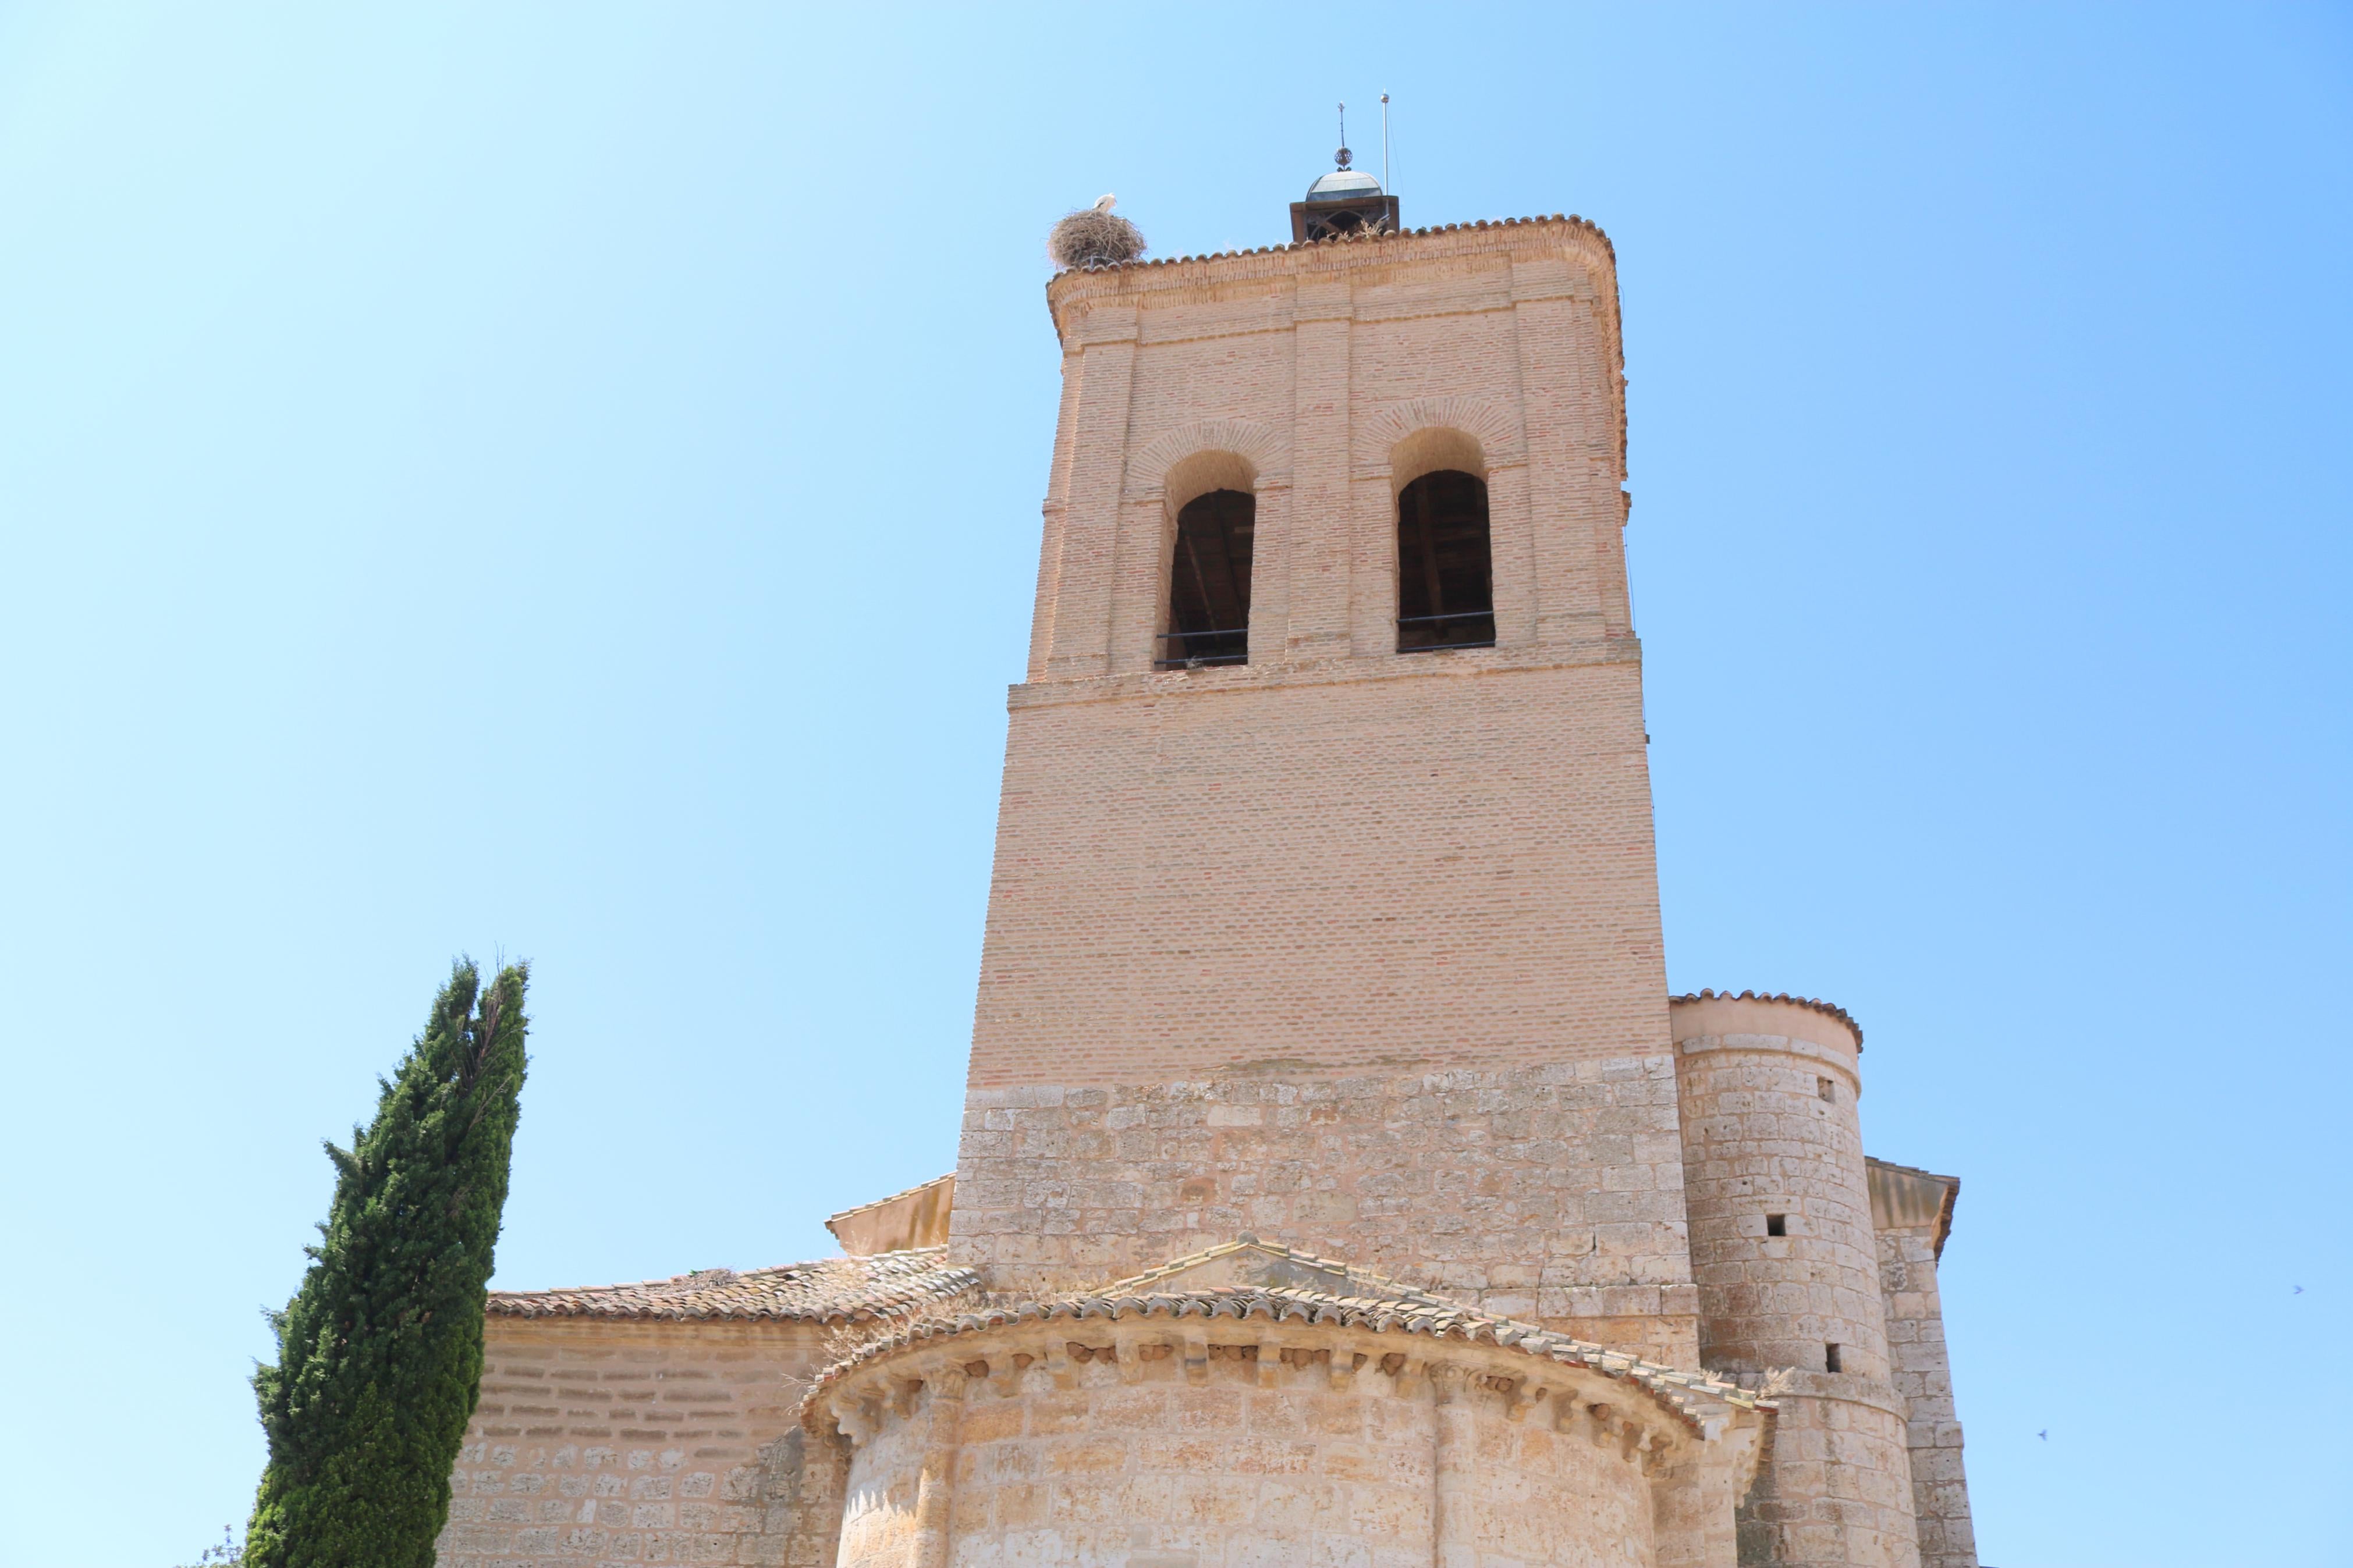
(1346, 201)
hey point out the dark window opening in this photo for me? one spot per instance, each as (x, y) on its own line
(1446, 595)
(1829, 1358)
(1824, 1087)
(1777, 1225)
(1209, 581)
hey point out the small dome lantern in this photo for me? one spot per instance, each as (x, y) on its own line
(1346, 201)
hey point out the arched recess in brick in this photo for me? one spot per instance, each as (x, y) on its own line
(1395, 439)
(1177, 458)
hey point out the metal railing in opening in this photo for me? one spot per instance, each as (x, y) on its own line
(1478, 631)
(1194, 650)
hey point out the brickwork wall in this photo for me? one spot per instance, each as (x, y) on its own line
(1420, 865)
(1924, 1377)
(1551, 1193)
(1337, 853)
(1312, 367)
(631, 1442)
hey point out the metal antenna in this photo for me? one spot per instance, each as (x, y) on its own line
(1387, 189)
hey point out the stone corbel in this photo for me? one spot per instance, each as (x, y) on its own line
(1630, 1439)
(858, 1415)
(1596, 1424)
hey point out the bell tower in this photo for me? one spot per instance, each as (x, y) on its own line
(1324, 906)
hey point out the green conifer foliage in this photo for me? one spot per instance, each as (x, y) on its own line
(380, 1352)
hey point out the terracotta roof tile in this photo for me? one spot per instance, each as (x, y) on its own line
(831, 1289)
(1828, 1009)
(1147, 263)
(1412, 1311)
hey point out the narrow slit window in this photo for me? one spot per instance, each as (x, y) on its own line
(1446, 591)
(1829, 1358)
(1209, 581)
(1777, 1225)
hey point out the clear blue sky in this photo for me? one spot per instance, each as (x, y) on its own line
(562, 481)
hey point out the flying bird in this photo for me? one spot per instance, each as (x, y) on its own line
(1105, 202)
(2299, 1289)
(2044, 1434)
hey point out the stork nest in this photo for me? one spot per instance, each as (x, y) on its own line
(1092, 237)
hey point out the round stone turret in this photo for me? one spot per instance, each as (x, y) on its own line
(1788, 1269)
(1773, 1184)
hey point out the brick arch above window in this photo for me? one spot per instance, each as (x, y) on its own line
(1263, 454)
(1418, 425)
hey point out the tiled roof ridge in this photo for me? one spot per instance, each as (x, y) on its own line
(1672, 1385)
(894, 1197)
(1911, 1170)
(1396, 1290)
(1361, 237)
(1811, 1003)
(1945, 1212)
(827, 1289)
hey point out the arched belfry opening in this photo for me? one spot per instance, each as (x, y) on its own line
(1446, 590)
(1209, 581)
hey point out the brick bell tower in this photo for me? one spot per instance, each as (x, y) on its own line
(1324, 906)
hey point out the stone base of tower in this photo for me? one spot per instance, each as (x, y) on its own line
(1552, 1195)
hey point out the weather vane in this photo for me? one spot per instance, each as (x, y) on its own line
(1341, 155)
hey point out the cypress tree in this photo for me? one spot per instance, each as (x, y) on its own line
(380, 1351)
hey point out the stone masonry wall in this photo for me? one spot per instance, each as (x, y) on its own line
(1769, 1129)
(1834, 1489)
(648, 1442)
(1267, 1451)
(1924, 1377)
(1552, 1193)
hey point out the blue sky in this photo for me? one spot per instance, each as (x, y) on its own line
(562, 481)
